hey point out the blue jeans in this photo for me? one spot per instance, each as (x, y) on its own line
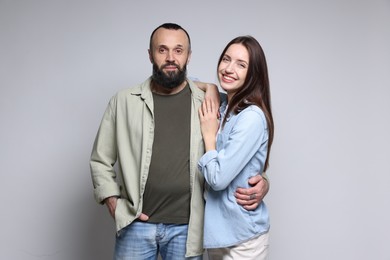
(145, 241)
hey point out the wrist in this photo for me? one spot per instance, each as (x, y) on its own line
(210, 147)
(110, 199)
(209, 142)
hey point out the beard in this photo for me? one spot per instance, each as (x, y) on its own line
(171, 79)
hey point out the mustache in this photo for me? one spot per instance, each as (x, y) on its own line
(170, 64)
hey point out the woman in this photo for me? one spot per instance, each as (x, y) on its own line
(241, 150)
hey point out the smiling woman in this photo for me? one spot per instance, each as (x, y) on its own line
(233, 68)
(237, 149)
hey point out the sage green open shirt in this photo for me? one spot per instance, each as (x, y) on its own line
(125, 138)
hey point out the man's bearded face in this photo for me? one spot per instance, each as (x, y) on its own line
(169, 79)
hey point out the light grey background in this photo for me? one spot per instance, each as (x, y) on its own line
(329, 63)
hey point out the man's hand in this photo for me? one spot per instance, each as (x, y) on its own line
(111, 205)
(143, 217)
(251, 198)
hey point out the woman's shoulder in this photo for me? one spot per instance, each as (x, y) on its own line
(253, 113)
(253, 109)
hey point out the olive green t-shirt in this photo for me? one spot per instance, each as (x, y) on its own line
(167, 193)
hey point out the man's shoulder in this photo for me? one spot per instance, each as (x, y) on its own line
(196, 92)
(128, 91)
(134, 91)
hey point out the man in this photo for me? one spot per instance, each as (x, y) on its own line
(152, 132)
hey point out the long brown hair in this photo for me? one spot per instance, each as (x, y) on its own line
(255, 90)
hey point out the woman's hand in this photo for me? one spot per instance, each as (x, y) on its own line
(211, 92)
(208, 115)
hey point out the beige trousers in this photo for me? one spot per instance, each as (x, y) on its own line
(254, 249)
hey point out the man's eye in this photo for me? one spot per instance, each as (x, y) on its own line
(179, 51)
(161, 50)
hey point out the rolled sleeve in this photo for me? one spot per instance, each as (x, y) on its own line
(206, 161)
(107, 190)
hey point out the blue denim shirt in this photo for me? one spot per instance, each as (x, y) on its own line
(241, 153)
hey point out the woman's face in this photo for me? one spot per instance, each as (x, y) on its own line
(233, 68)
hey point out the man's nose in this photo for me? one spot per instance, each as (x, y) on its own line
(170, 56)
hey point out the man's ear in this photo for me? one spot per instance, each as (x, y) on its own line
(150, 56)
(189, 57)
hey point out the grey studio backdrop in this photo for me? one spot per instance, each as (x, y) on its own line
(329, 64)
